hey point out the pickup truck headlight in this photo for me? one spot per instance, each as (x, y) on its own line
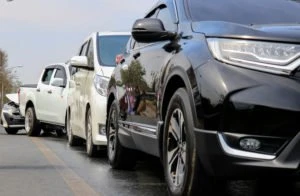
(264, 56)
(101, 84)
(8, 109)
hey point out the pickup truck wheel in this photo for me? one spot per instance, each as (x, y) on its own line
(32, 126)
(11, 131)
(119, 157)
(72, 139)
(181, 164)
(91, 149)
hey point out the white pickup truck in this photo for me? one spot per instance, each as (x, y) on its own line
(44, 105)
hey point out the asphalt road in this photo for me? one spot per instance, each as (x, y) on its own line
(46, 165)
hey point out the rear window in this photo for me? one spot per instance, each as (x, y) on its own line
(246, 11)
(109, 47)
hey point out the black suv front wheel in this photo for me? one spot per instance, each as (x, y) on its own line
(180, 160)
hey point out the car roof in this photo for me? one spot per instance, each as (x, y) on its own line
(55, 65)
(108, 33)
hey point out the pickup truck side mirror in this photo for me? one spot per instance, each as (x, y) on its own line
(59, 82)
(79, 61)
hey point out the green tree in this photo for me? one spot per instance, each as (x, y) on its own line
(133, 76)
(7, 77)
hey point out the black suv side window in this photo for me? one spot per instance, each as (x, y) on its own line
(165, 16)
(47, 76)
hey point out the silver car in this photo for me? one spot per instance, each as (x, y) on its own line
(11, 119)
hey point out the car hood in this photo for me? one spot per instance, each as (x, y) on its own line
(13, 97)
(270, 32)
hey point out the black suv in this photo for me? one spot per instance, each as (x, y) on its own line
(212, 88)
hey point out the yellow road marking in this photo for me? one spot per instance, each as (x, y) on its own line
(76, 184)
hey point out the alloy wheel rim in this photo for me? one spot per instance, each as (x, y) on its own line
(176, 148)
(89, 132)
(112, 135)
(28, 121)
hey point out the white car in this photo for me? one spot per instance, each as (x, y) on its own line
(11, 119)
(44, 105)
(91, 70)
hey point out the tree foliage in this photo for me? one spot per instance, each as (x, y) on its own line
(6, 75)
(133, 76)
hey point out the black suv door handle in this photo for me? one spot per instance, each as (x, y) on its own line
(50, 91)
(38, 90)
(137, 55)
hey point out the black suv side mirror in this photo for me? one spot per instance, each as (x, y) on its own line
(150, 30)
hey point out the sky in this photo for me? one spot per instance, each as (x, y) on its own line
(35, 33)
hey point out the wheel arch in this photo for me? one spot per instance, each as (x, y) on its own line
(180, 77)
(29, 104)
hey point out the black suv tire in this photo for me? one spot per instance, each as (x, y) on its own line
(119, 157)
(180, 160)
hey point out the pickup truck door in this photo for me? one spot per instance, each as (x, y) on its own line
(42, 95)
(57, 97)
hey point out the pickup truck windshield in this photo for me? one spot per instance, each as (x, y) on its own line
(246, 11)
(109, 47)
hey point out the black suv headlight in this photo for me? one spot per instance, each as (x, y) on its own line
(280, 58)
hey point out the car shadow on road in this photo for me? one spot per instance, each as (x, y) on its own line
(266, 187)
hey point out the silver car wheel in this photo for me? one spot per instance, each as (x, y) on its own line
(28, 121)
(176, 148)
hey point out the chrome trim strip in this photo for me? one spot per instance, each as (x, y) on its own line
(16, 126)
(146, 130)
(240, 153)
(148, 127)
(136, 132)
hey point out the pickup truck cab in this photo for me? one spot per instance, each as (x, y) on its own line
(44, 105)
(91, 70)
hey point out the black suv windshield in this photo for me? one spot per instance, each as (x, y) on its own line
(246, 11)
(110, 46)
